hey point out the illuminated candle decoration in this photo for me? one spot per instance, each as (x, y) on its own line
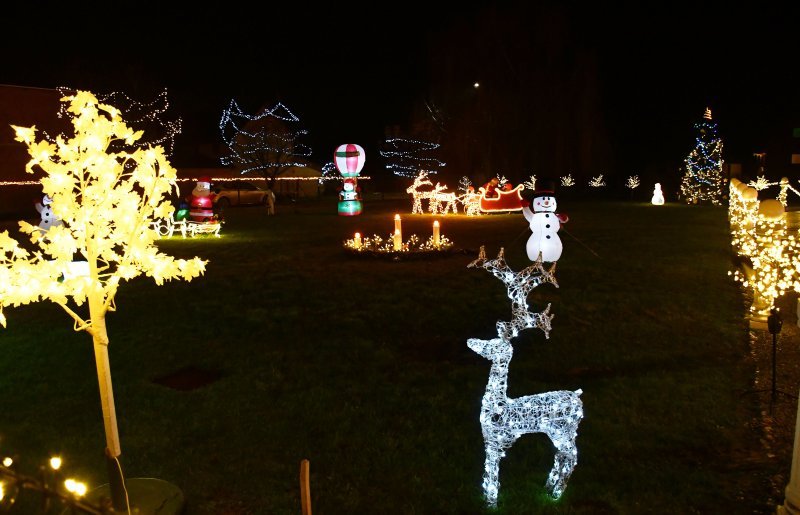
(397, 225)
(393, 245)
(658, 196)
(703, 180)
(504, 419)
(106, 200)
(349, 160)
(398, 240)
(436, 232)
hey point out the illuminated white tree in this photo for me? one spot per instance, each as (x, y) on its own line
(531, 183)
(266, 143)
(567, 181)
(632, 182)
(464, 185)
(703, 180)
(503, 419)
(408, 157)
(106, 201)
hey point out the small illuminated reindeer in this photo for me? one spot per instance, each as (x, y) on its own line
(440, 197)
(504, 420)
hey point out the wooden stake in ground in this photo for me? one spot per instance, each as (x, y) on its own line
(305, 487)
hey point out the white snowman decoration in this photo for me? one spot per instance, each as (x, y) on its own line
(544, 224)
(658, 196)
(46, 211)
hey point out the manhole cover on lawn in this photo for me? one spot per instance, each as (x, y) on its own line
(189, 378)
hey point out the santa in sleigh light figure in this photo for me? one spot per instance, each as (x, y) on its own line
(496, 199)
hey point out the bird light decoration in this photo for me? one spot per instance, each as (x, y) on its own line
(503, 419)
(106, 200)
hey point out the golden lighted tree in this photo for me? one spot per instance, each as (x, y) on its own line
(107, 201)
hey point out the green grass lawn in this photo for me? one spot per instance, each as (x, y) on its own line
(361, 366)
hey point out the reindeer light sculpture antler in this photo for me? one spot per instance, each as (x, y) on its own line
(503, 419)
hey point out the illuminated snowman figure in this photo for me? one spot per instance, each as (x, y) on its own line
(544, 224)
(658, 196)
(46, 212)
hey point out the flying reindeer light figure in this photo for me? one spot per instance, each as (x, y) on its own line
(503, 419)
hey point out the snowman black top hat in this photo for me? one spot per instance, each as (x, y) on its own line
(544, 188)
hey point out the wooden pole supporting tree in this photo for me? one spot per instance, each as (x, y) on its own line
(106, 200)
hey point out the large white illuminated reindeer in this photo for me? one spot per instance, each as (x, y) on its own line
(419, 180)
(504, 420)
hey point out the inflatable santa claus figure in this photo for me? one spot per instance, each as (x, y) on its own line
(201, 202)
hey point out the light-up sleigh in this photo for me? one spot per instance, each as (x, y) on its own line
(502, 200)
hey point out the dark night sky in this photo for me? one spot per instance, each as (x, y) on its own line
(349, 71)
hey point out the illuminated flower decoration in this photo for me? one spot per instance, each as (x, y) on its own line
(503, 419)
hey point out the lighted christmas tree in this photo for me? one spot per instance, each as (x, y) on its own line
(408, 157)
(149, 117)
(266, 143)
(703, 180)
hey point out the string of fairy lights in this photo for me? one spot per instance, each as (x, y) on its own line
(760, 234)
(703, 180)
(404, 157)
(68, 492)
(147, 116)
(259, 148)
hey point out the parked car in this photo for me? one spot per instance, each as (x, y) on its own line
(238, 193)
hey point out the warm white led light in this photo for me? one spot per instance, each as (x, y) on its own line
(597, 182)
(632, 182)
(439, 201)
(703, 179)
